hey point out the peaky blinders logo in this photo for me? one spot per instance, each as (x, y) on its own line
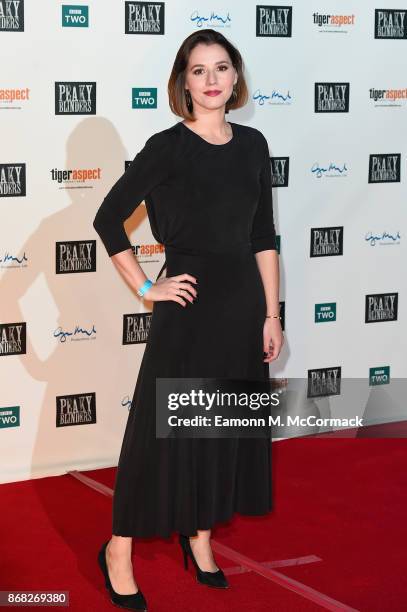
(75, 98)
(274, 21)
(331, 97)
(326, 241)
(282, 315)
(13, 338)
(75, 256)
(384, 168)
(390, 23)
(279, 171)
(12, 16)
(324, 381)
(144, 18)
(381, 307)
(136, 327)
(79, 409)
(12, 180)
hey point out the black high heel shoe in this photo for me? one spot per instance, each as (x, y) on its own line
(213, 579)
(134, 601)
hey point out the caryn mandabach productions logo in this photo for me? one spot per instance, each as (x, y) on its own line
(144, 18)
(211, 19)
(13, 338)
(326, 241)
(75, 16)
(12, 180)
(75, 256)
(274, 21)
(383, 238)
(331, 97)
(390, 23)
(78, 409)
(142, 97)
(8, 260)
(380, 307)
(273, 98)
(11, 15)
(136, 327)
(329, 170)
(384, 168)
(75, 98)
(77, 333)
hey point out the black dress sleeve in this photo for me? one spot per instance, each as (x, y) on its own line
(150, 167)
(263, 235)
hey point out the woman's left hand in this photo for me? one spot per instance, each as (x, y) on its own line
(273, 339)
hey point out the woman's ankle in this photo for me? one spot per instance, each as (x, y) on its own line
(119, 550)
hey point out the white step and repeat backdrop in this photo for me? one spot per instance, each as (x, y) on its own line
(82, 87)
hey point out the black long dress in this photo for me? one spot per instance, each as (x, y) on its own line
(211, 207)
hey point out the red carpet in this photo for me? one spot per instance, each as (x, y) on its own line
(337, 533)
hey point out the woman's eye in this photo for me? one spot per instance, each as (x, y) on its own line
(199, 70)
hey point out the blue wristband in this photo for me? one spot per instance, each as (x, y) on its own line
(146, 285)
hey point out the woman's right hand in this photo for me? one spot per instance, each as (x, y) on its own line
(173, 288)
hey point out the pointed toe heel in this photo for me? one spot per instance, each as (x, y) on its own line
(133, 601)
(213, 579)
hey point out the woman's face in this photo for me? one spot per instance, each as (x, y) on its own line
(210, 76)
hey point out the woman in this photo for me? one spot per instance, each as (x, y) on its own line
(207, 188)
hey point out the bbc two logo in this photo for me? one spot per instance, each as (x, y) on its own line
(9, 416)
(75, 16)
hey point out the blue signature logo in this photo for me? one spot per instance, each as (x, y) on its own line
(200, 20)
(62, 335)
(8, 257)
(260, 98)
(126, 401)
(372, 238)
(320, 171)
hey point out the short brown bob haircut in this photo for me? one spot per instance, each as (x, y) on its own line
(176, 84)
